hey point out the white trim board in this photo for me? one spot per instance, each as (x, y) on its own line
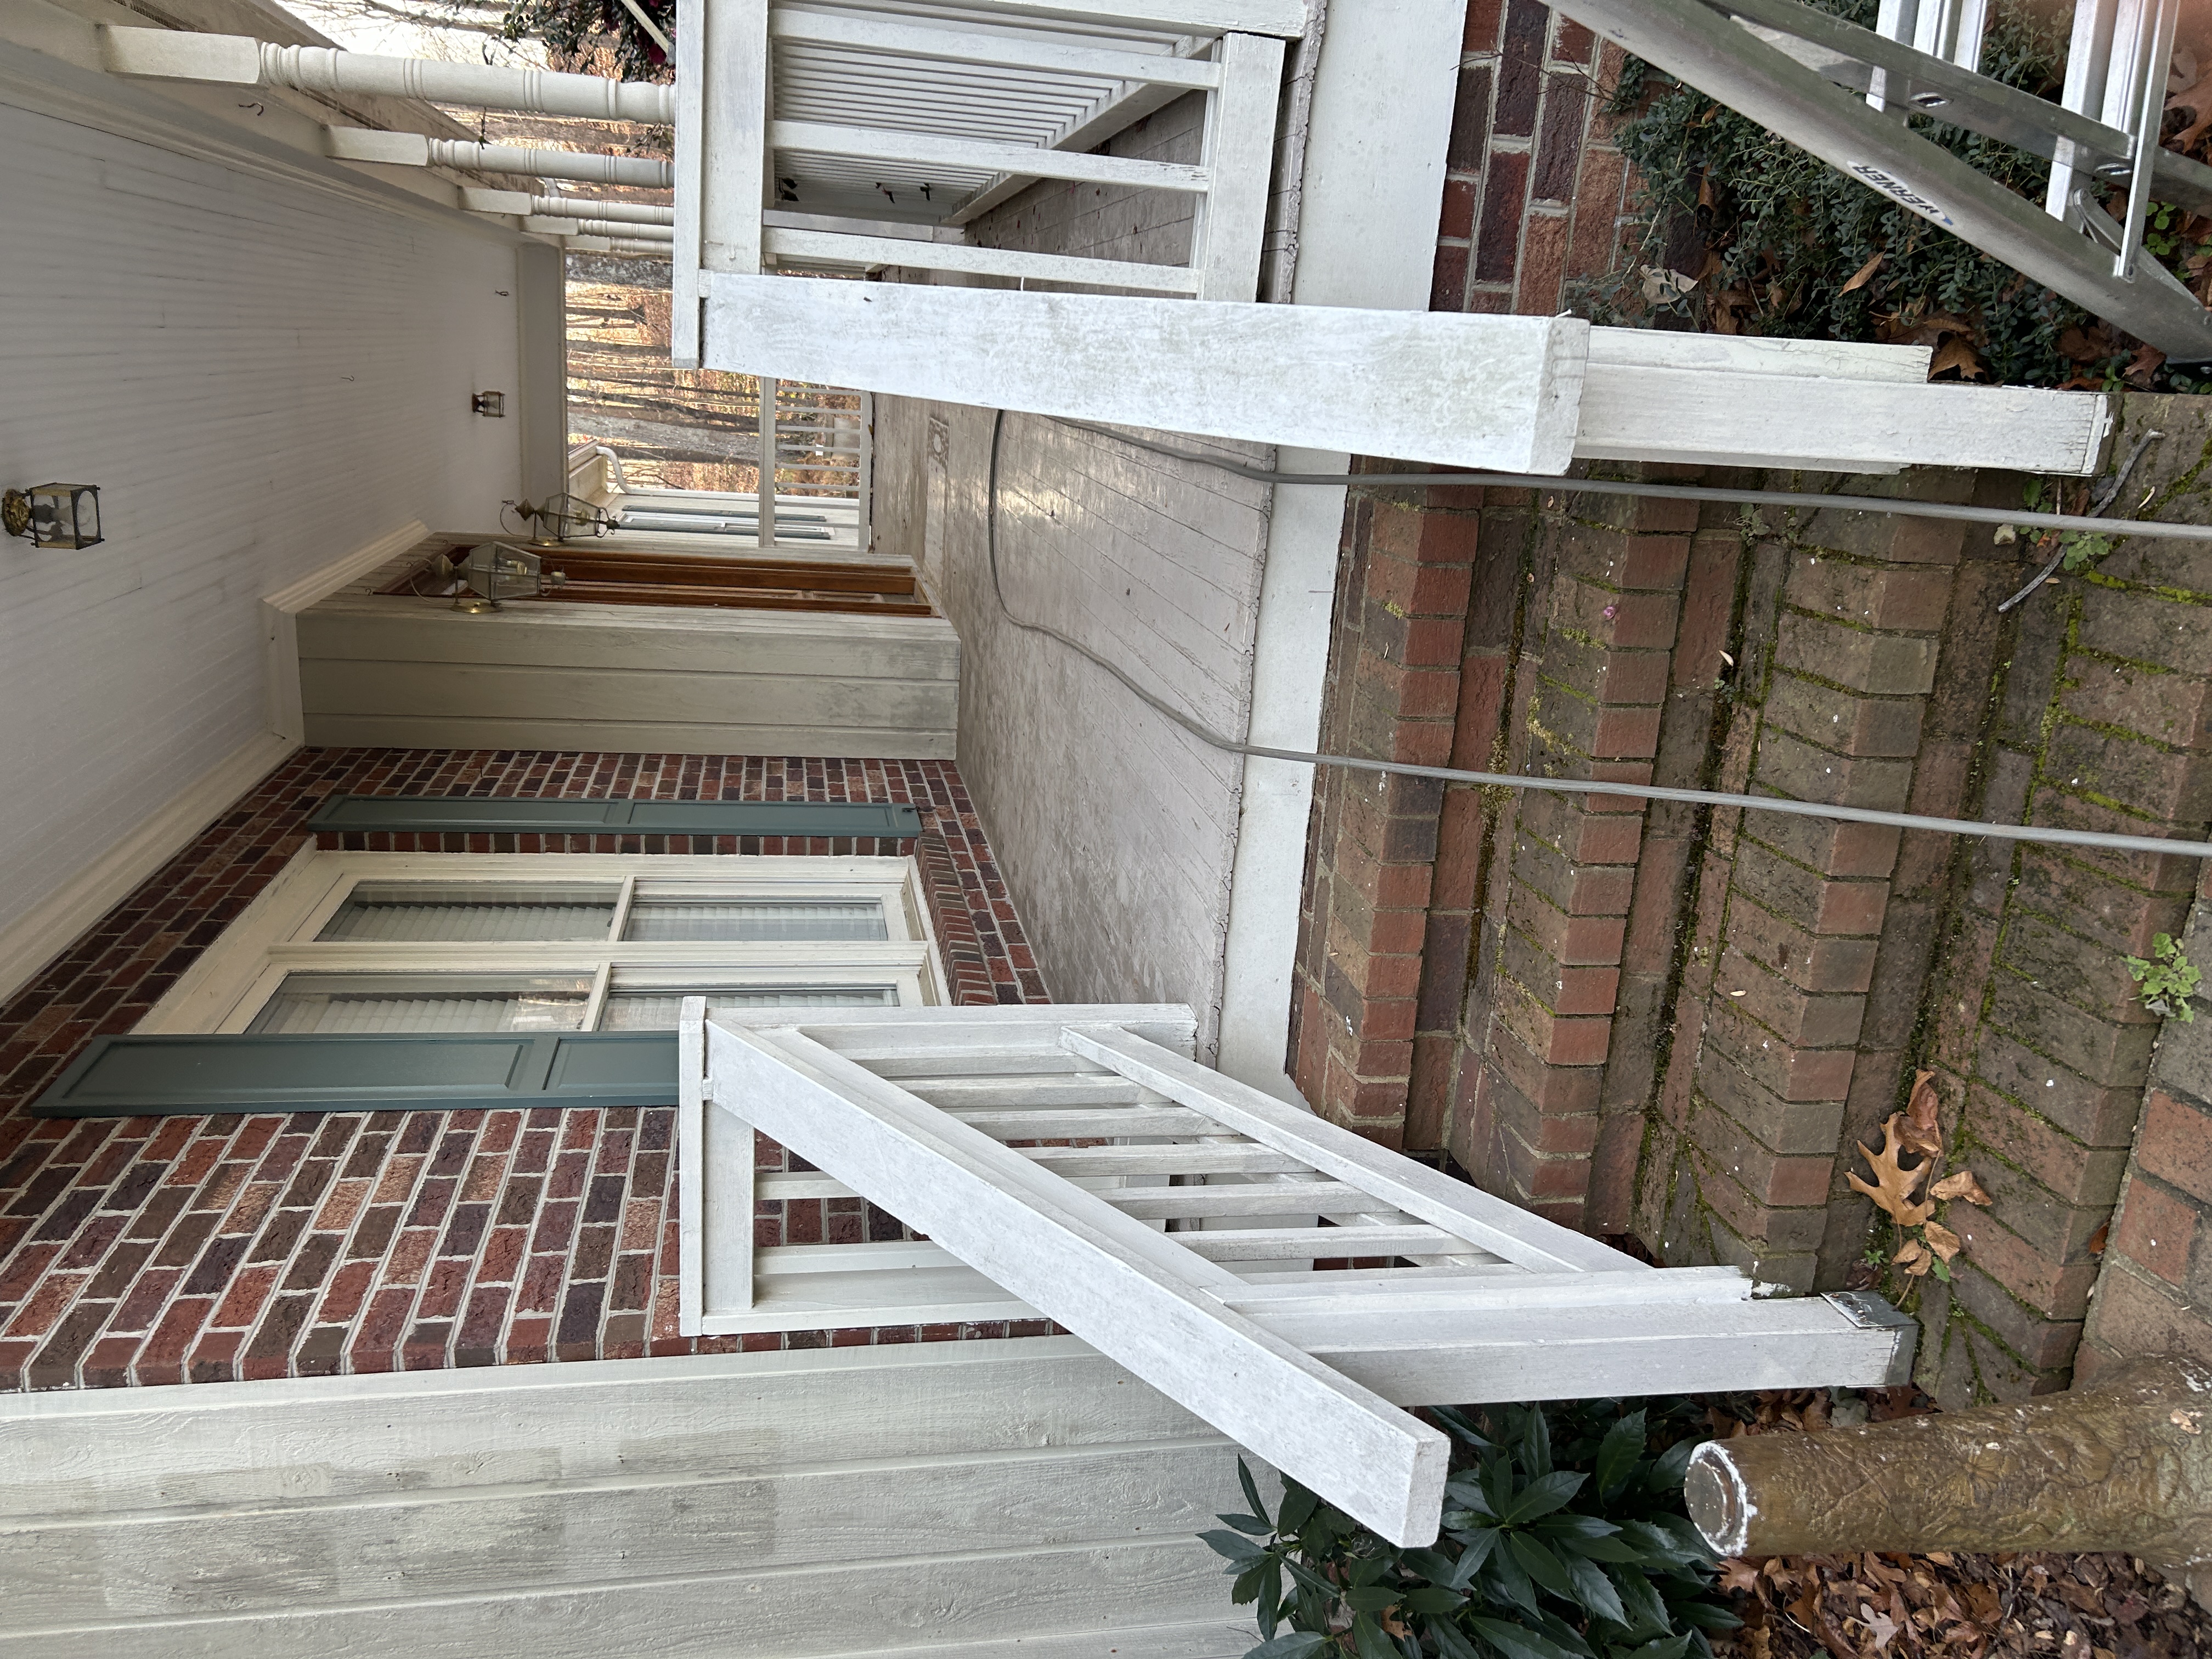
(280, 616)
(30, 945)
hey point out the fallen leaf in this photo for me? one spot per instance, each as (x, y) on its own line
(1920, 1131)
(1915, 1260)
(1865, 273)
(2099, 1239)
(1883, 1627)
(1892, 1187)
(1942, 1240)
(1961, 1183)
(1955, 353)
(1739, 1575)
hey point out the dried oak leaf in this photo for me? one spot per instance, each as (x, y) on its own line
(1920, 1131)
(1955, 353)
(1893, 1186)
(1914, 1259)
(1739, 1575)
(1942, 1240)
(1961, 1183)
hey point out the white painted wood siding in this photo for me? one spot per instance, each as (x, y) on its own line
(1116, 830)
(383, 670)
(261, 376)
(943, 1497)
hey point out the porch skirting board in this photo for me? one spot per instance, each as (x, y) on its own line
(953, 1500)
(28, 945)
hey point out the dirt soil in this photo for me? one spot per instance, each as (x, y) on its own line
(1960, 1607)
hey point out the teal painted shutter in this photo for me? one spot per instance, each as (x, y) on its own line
(442, 1071)
(482, 815)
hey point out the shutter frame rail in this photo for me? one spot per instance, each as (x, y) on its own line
(509, 815)
(195, 1074)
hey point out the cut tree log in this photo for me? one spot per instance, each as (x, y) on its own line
(2124, 1465)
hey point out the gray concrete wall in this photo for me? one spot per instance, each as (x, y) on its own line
(1116, 830)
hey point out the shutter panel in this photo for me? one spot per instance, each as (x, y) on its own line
(501, 815)
(192, 1075)
(949, 1122)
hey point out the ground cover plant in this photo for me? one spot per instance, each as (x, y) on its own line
(1565, 1538)
(1741, 233)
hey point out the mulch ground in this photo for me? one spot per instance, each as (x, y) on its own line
(2043, 1605)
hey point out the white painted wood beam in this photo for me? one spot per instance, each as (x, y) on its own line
(1500, 392)
(1286, 18)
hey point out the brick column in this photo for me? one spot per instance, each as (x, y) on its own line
(1402, 600)
(1840, 638)
(2103, 721)
(1591, 684)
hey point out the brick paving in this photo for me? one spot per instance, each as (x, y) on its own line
(161, 1250)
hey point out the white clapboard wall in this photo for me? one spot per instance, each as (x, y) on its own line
(1079, 1160)
(951, 1499)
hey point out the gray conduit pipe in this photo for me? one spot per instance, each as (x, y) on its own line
(1812, 499)
(1560, 786)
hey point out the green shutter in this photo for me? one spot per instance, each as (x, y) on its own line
(482, 815)
(438, 1071)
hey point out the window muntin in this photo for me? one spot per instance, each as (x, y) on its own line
(575, 942)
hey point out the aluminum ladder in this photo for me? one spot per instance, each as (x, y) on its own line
(1795, 71)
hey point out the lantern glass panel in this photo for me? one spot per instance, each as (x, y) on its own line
(65, 515)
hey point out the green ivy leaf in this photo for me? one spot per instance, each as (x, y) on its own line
(1611, 1549)
(1291, 1644)
(1466, 1490)
(1647, 1614)
(1666, 1647)
(1617, 1456)
(1536, 1442)
(1298, 1509)
(1507, 1583)
(1251, 1489)
(1705, 1615)
(1235, 1546)
(1593, 1589)
(1669, 1468)
(1477, 1551)
(1450, 1643)
(1536, 1559)
(1517, 1641)
(1432, 1600)
(1541, 1496)
(1368, 1641)
(1251, 1524)
(1372, 1598)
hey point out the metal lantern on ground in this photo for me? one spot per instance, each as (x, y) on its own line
(53, 514)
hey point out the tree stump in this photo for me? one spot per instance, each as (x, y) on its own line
(2125, 1465)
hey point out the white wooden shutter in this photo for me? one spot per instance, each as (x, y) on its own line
(914, 1109)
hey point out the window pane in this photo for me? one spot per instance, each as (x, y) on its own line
(657, 1011)
(489, 911)
(657, 919)
(327, 1003)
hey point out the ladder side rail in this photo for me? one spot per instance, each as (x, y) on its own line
(2088, 63)
(2145, 125)
(1135, 1294)
(1488, 1222)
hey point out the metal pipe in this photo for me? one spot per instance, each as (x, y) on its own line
(1807, 809)
(480, 86)
(2154, 528)
(568, 224)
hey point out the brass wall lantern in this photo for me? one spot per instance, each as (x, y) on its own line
(53, 514)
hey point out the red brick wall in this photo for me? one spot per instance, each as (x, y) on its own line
(1533, 189)
(149, 1250)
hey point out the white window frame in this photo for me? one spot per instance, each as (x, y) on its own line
(233, 980)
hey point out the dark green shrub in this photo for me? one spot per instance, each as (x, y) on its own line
(1565, 1538)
